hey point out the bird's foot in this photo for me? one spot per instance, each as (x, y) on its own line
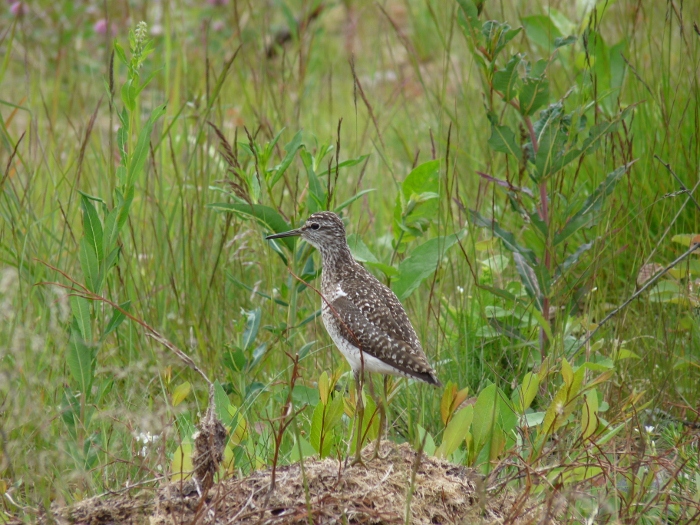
(358, 462)
(376, 454)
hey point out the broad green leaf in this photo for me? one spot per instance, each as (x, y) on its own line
(486, 245)
(598, 132)
(323, 422)
(258, 354)
(496, 264)
(138, 157)
(124, 205)
(588, 215)
(541, 30)
(579, 474)
(307, 450)
(234, 359)
(690, 267)
(499, 292)
(370, 423)
(525, 393)
(456, 431)
(352, 199)
(423, 180)
(533, 94)
(324, 388)
(239, 425)
(448, 395)
(316, 199)
(387, 270)
(321, 153)
(422, 262)
(117, 318)
(618, 66)
(92, 227)
(265, 215)
(567, 372)
(344, 164)
(507, 80)
(496, 36)
(529, 279)
(81, 313)
(469, 18)
(121, 55)
(81, 361)
(565, 41)
(532, 419)
(426, 439)
(599, 59)
(557, 412)
(181, 393)
(497, 312)
(493, 425)
(686, 239)
(551, 155)
(502, 139)
(548, 117)
(304, 350)
(359, 249)
(110, 261)
(485, 416)
(542, 322)
(611, 433)
(304, 395)
(251, 327)
(667, 291)
(181, 467)
(90, 266)
(508, 238)
(507, 418)
(589, 414)
(626, 354)
(574, 257)
(222, 402)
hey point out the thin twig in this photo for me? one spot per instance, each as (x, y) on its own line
(358, 86)
(150, 331)
(680, 182)
(639, 292)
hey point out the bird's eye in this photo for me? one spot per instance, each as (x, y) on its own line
(315, 226)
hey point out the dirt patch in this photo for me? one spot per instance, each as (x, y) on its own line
(319, 491)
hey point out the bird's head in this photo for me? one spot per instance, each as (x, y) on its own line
(322, 230)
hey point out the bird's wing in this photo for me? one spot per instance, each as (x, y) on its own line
(357, 328)
(381, 306)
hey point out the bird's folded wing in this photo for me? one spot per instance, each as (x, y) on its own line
(371, 339)
(381, 306)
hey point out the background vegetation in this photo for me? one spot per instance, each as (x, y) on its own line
(151, 175)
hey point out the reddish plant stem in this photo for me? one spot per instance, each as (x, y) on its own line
(543, 212)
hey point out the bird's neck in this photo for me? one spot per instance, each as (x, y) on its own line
(336, 259)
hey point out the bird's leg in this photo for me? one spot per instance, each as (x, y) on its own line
(359, 416)
(382, 406)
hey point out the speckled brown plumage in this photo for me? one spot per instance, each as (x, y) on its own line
(359, 311)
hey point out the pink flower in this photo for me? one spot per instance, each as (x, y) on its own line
(100, 27)
(17, 8)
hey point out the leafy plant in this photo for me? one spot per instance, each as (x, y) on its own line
(552, 147)
(99, 247)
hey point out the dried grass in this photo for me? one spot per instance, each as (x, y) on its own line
(327, 492)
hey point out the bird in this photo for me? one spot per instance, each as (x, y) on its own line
(363, 317)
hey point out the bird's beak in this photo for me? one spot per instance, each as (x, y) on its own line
(290, 233)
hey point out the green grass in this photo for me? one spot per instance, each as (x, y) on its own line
(181, 262)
